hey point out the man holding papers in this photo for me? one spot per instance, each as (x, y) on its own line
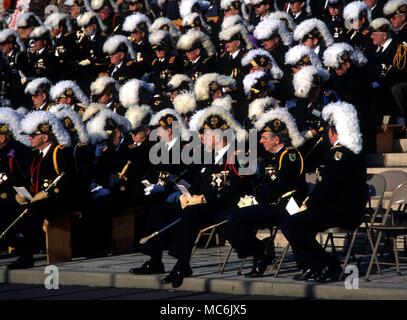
(49, 140)
(338, 200)
(280, 178)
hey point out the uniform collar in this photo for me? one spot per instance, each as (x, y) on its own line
(220, 153)
(45, 151)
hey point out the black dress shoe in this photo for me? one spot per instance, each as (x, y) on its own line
(21, 263)
(307, 275)
(258, 269)
(149, 268)
(329, 274)
(177, 275)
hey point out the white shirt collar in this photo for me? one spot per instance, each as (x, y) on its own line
(234, 54)
(45, 151)
(42, 106)
(220, 153)
(171, 143)
(196, 60)
(317, 49)
(386, 44)
(336, 143)
(279, 149)
(41, 51)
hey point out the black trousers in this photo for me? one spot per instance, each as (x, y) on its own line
(242, 225)
(301, 230)
(399, 92)
(160, 215)
(193, 218)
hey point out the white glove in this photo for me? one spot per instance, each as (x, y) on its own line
(99, 192)
(85, 62)
(153, 189)
(247, 201)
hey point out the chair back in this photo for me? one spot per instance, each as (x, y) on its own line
(398, 198)
(376, 184)
(394, 178)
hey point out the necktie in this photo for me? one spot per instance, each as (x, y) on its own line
(380, 50)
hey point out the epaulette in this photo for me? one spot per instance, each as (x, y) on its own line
(154, 61)
(205, 60)
(66, 34)
(157, 102)
(62, 146)
(129, 63)
(171, 59)
(365, 32)
(223, 54)
(131, 146)
(81, 144)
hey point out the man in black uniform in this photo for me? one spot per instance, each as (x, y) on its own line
(137, 26)
(66, 48)
(42, 58)
(334, 20)
(108, 14)
(52, 158)
(298, 10)
(218, 186)
(38, 90)
(356, 15)
(237, 44)
(14, 50)
(396, 12)
(280, 176)
(166, 62)
(104, 90)
(338, 200)
(14, 161)
(199, 53)
(122, 67)
(160, 183)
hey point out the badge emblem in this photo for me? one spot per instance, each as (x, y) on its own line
(338, 155)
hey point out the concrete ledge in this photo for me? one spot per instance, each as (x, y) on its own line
(231, 285)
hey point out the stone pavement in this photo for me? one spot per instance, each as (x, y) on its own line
(112, 271)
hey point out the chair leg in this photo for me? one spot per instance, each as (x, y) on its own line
(210, 238)
(282, 258)
(331, 238)
(352, 242)
(198, 237)
(370, 238)
(326, 241)
(222, 269)
(369, 269)
(239, 272)
(218, 248)
(396, 254)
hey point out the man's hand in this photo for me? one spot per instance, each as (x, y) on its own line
(85, 62)
(190, 201)
(21, 200)
(40, 196)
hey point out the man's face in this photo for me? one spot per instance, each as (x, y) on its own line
(269, 141)
(232, 46)
(105, 98)
(160, 54)
(261, 9)
(90, 29)
(55, 32)
(270, 44)
(65, 100)
(3, 140)
(370, 3)
(104, 13)
(357, 24)
(192, 55)
(24, 33)
(333, 11)
(74, 11)
(231, 12)
(137, 36)
(296, 6)
(134, 7)
(311, 43)
(6, 48)
(164, 134)
(209, 139)
(116, 58)
(38, 99)
(398, 20)
(332, 136)
(139, 136)
(38, 141)
(379, 38)
(342, 69)
(38, 44)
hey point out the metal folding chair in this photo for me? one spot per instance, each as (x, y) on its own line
(391, 226)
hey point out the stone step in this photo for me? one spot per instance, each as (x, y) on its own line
(378, 170)
(386, 159)
(400, 145)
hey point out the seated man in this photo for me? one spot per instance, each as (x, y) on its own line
(52, 159)
(218, 186)
(338, 200)
(280, 173)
